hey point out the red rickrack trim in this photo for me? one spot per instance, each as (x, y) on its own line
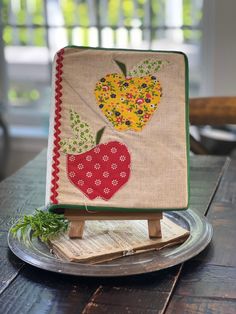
(57, 124)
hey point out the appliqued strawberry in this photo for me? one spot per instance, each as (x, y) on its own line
(99, 171)
(127, 100)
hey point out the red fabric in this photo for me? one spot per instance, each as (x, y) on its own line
(101, 171)
(57, 124)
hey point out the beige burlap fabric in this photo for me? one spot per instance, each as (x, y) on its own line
(156, 158)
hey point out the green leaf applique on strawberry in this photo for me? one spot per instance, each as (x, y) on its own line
(128, 100)
(100, 170)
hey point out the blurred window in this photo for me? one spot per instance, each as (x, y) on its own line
(33, 30)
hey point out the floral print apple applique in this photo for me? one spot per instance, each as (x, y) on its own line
(129, 100)
(98, 170)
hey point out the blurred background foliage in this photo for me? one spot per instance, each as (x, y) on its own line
(127, 13)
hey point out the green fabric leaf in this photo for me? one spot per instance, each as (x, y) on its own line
(83, 138)
(147, 67)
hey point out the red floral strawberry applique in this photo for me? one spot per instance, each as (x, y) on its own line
(99, 171)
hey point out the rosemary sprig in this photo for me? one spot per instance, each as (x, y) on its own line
(43, 224)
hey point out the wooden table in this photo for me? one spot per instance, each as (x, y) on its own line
(205, 284)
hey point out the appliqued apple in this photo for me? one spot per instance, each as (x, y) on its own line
(98, 170)
(103, 177)
(129, 101)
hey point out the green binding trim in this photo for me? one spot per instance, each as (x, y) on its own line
(123, 49)
(55, 207)
(187, 124)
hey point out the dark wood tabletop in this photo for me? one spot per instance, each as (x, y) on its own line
(204, 284)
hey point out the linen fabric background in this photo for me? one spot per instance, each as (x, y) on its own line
(159, 153)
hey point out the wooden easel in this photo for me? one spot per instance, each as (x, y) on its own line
(77, 221)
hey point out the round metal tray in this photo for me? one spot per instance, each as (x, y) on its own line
(34, 252)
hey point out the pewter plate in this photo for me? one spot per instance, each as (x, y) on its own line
(34, 252)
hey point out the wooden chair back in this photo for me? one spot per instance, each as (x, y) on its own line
(213, 111)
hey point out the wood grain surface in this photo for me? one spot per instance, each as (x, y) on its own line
(208, 282)
(25, 289)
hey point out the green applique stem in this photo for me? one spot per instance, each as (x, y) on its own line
(99, 135)
(122, 67)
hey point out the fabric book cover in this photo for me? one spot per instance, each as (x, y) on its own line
(118, 131)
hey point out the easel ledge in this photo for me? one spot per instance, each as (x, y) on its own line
(77, 220)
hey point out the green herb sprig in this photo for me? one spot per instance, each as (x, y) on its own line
(43, 224)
